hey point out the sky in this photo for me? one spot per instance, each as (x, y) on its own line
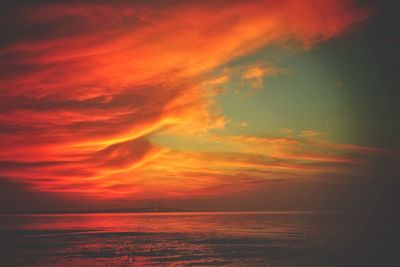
(250, 105)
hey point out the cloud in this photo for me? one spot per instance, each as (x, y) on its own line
(242, 124)
(86, 83)
(255, 75)
(310, 133)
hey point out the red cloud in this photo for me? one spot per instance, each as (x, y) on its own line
(85, 84)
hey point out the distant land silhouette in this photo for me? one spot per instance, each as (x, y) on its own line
(127, 210)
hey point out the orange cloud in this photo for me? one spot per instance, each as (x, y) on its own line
(86, 83)
(256, 74)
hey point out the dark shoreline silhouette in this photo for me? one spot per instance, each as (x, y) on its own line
(129, 210)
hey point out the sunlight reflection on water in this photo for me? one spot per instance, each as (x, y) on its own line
(177, 239)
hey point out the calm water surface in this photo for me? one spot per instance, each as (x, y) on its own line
(174, 239)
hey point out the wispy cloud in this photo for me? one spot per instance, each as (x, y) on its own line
(85, 85)
(256, 74)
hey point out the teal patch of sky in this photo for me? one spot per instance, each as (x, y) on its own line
(307, 96)
(347, 87)
(369, 62)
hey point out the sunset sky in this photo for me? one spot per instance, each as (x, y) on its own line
(202, 104)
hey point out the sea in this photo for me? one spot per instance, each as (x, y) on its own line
(277, 238)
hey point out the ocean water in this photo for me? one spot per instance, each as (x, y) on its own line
(174, 239)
